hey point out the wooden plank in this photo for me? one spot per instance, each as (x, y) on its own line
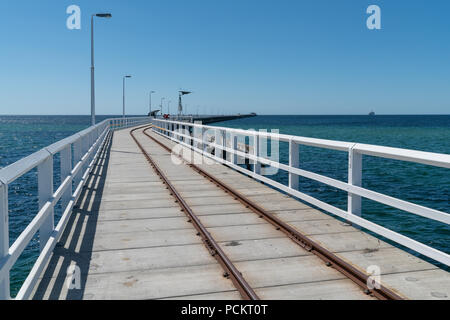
(421, 285)
(231, 295)
(147, 284)
(342, 289)
(138, 214)
(285, 271)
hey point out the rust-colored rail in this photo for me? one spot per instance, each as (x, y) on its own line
(330, 259)
(230, 270)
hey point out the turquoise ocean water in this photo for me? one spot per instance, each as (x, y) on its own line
(425, 185)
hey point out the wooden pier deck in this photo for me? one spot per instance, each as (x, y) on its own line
(131, 240)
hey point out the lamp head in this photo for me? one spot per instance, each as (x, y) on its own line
(104, 15)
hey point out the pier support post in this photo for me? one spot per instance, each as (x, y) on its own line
(90, 142)
(77, 154)
(256, 147)
(234, 146)
(354, 178)
(66, 168)
(45, 191)
(84, 149)
(294, 163)
(204, 141)
(197, 135)
(220, 142)
(4, 240)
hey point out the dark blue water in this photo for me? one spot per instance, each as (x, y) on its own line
(428, 186)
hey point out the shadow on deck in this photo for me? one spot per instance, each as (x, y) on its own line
(76, 243)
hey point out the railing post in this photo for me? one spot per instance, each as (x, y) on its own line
(45, 191)
(204, 141)
(190, 141)
(77, 154)
(89, 144)
(84, 149)
(219, 140)
(293, 163)
(197, 135)
(354, 178)
(4, 240)
(234, 146)
(66, 168)
(256, 145)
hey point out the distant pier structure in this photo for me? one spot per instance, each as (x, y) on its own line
(205, 119)
(211, 119)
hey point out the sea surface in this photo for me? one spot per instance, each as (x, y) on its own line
(421, 184)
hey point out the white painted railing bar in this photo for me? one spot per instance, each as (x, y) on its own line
(352, 187)
(30, 281)
(75, 167)
(4, 239)
(428, 158)
(26, 236)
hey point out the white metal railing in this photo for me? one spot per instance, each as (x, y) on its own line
(226, 140)
(84, 148)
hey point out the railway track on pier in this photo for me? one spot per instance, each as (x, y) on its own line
(328, 259)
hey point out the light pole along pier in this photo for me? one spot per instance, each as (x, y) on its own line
(99, 15)
(123, 93)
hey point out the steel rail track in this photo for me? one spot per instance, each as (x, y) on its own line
(330, 259)
(213, 247)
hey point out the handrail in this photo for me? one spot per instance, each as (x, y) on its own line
(84, 148)
(198, 142)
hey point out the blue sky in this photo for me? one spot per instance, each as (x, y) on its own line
(270, 57)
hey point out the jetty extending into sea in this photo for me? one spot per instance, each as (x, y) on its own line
(165, 209)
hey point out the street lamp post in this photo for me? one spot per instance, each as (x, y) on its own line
(161, 105)
(150, 103)
(100, 15)
(168, 106)
(128, 76)
(180, 104)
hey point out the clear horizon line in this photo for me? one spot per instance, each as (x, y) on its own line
(262, 114)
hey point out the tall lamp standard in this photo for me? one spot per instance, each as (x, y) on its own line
(100, 15)
(180, 104)
(168, 106)
(150, 103)
(161, 106)
(128, 76)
